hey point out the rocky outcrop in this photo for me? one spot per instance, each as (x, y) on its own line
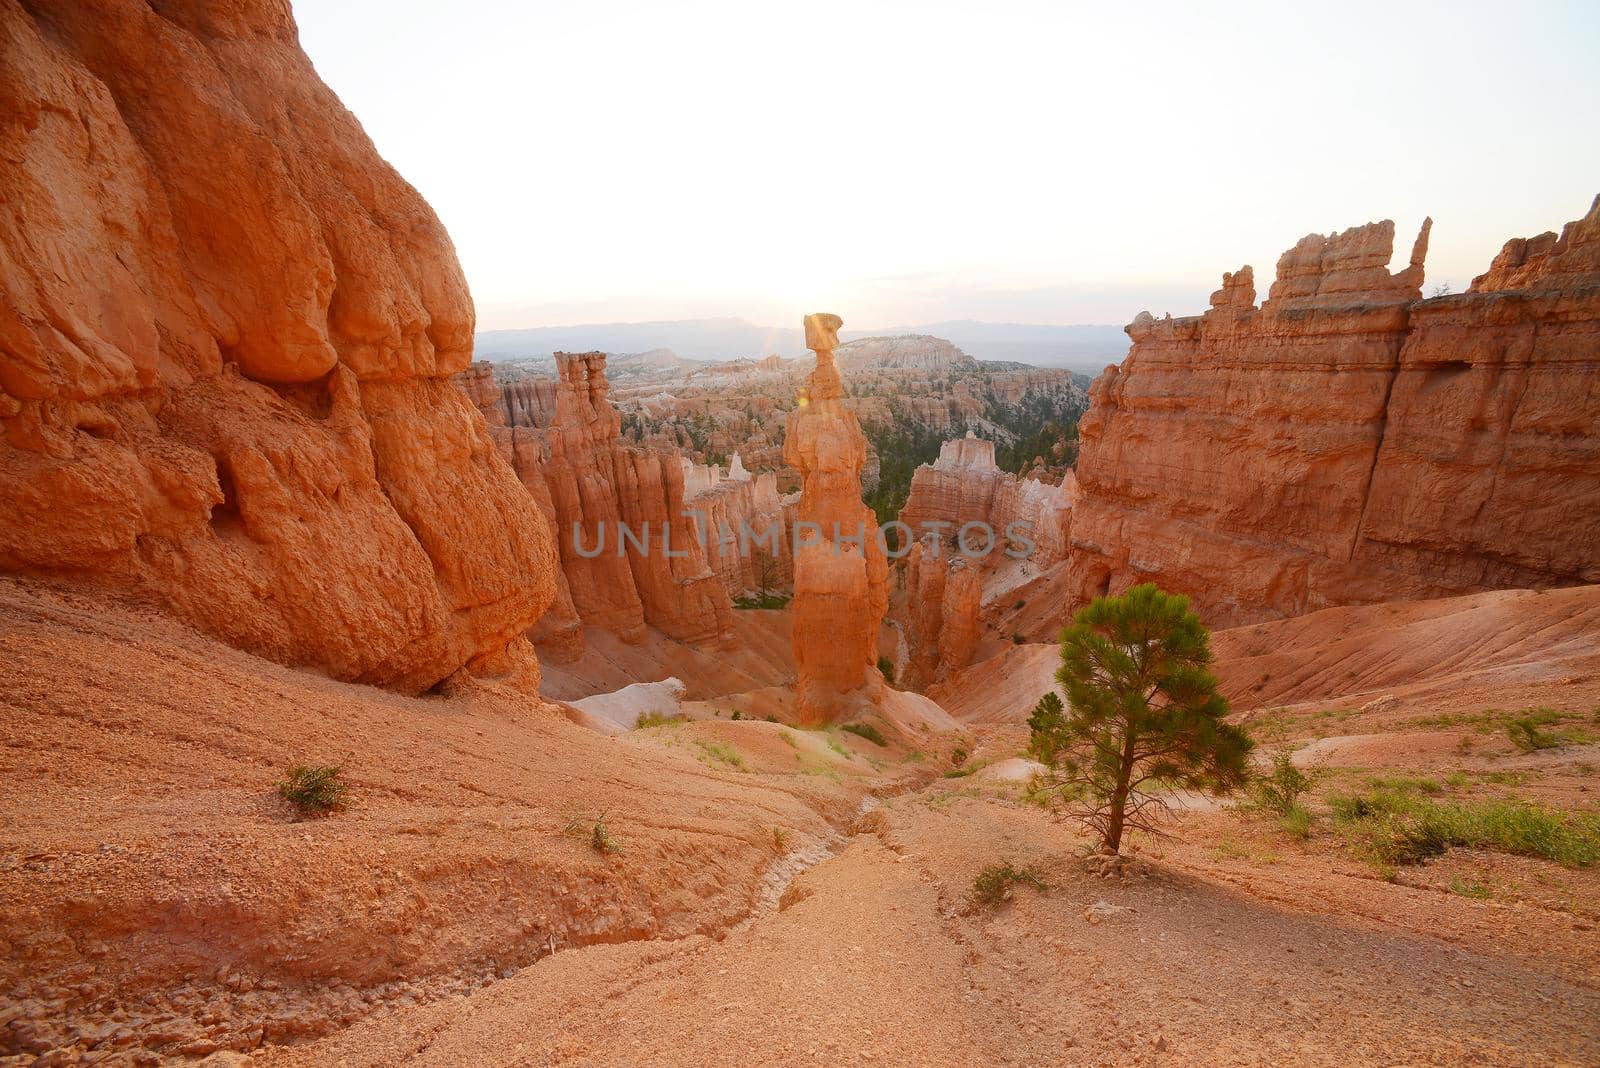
(903, 352)
(964, 486)
(840, 570)
(227, 335)
(941, 623)
(631, 553)
(1347, 442)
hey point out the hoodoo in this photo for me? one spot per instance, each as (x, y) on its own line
(840, 570)
(632, 548)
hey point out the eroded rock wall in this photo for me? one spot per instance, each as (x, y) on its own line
(1348, 442)
(225, 346)
(965, 486)
(630, 551)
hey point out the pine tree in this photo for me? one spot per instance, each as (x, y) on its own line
(1142, 709)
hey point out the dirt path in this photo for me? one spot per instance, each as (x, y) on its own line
(877, 956)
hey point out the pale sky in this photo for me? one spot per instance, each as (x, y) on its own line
(900, 163)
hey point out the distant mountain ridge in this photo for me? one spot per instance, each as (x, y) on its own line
(1086, 348)
(903, 352)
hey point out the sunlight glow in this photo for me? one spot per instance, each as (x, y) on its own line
(1027, 161)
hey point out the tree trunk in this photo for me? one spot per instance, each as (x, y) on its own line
(1112, 843)
(1113, 837)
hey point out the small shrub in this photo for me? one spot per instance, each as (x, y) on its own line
(597, 832)
(886, 668)
(958, 756)
(1018, 639)
(647, 720)
(780, 839)
(867, 731)
(314, 790)
(761, 600)
(737, 714)
(1279, 790)
(1405, 783)
(995, 883)
(1020, 604)
(959, 773)
(1233, 849)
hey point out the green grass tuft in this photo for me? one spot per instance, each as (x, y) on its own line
(1528, 735)
(1392, 827)
(719, 753)
(1297, 822)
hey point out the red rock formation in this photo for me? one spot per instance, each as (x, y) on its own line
(964, 486)
(942, 614)
(840, 585)
(227, 333)
(749, 544)
(958, 632)
(923, 613)
(1348, 443)
(564, 443)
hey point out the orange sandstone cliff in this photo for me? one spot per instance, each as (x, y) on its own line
(1347, 442)
(225, 354)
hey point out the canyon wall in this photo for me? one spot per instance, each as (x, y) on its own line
(563, 440)
(964, 486)
(225, 351)
(840, 584)
(1347, 442)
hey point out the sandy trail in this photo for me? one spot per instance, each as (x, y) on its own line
(878, 957)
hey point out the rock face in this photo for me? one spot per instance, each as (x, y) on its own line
(228, 332)
(964, 486)
(630, 549)
(749, 543)
(941, 622)
(903, 352)
(1347, 442)
(840, 584)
